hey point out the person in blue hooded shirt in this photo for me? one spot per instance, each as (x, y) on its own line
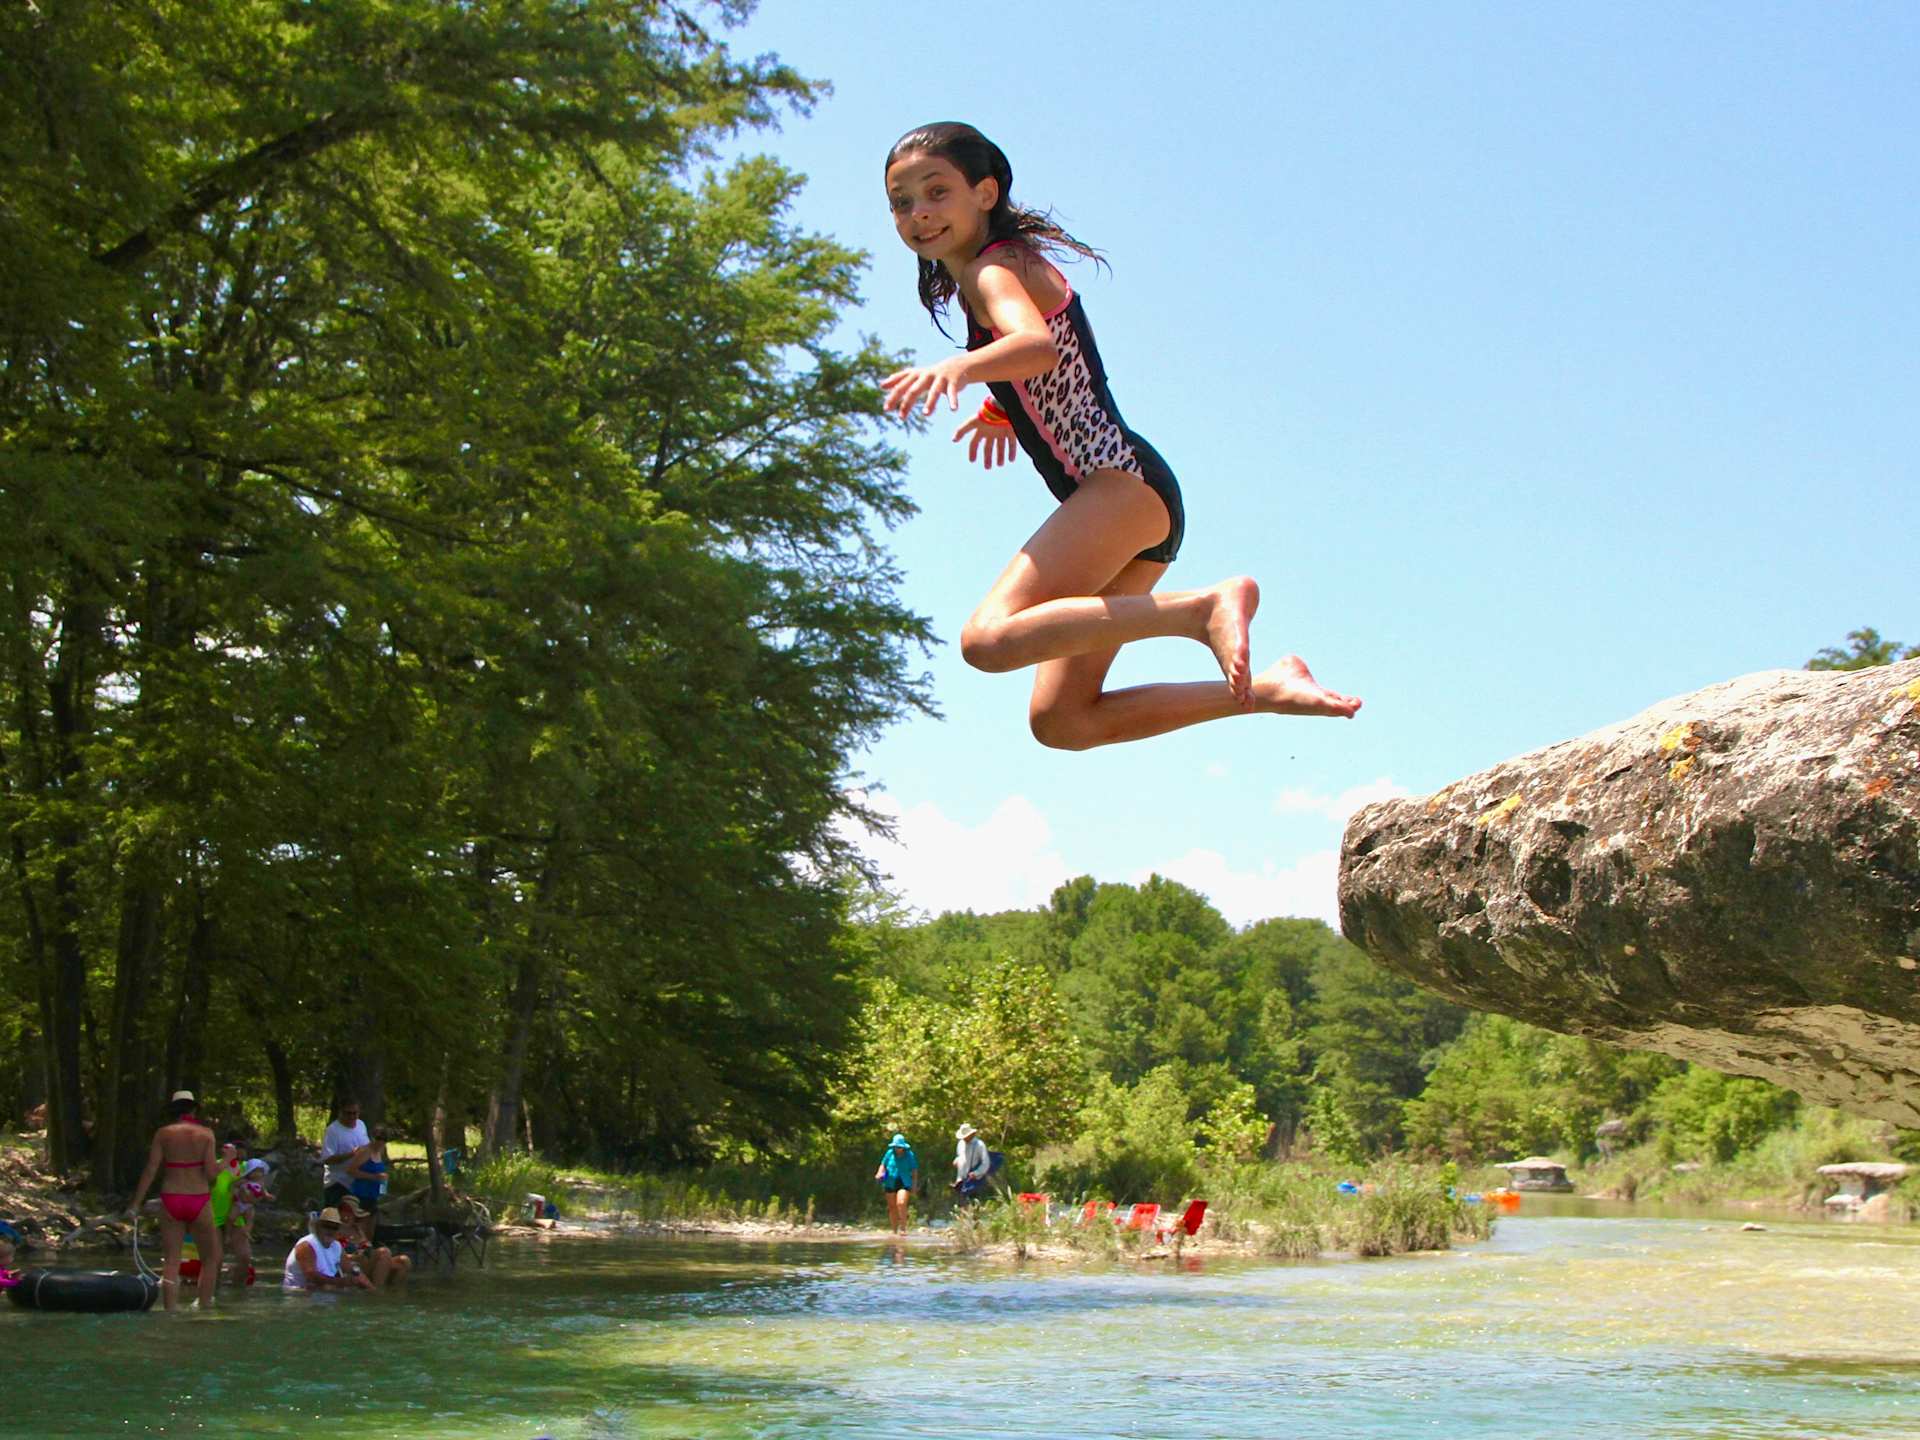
(898, 1169)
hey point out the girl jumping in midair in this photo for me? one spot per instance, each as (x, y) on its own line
(1082, 586)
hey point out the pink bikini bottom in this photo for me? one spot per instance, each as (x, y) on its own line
(184, 1208)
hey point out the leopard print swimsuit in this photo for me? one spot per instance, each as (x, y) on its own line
(1067, 423)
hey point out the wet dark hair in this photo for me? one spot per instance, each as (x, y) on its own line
(177, 1108)
(977, 158)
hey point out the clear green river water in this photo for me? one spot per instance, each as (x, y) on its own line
(1572, 1320)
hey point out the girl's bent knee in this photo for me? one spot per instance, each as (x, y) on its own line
(983, 646)
(1062, 729)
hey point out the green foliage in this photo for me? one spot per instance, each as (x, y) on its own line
(1154, 1140)
(504, 1182)
(998, 1052)
(1247, 1035)
(1705, 1115)
(442, 598)
(1296, 1211)
(1373, 1034)
(1006, 1220)
(1504, 1089)
(1781, 1167)
(1336, 1131)
(1134, 1142)
(1865, 650)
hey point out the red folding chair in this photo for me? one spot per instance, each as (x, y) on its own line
(1094, 1209)
(1189, 1222)
(1139, 1217)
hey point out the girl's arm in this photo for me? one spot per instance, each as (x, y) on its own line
(146, 1176)
(995, 288)
(210, 1162)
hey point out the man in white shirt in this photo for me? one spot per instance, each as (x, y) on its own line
(971, 1163)
(344, 1136)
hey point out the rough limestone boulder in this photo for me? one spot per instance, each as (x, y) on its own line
(1731, 877)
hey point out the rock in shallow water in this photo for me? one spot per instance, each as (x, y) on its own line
(1731, 877)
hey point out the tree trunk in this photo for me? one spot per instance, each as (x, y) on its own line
(363, 1074)
(66, 995)
(127, 1087)
(437, 1136)
(187, 1035)
(70, 703)
(285, 1126)
(503, 1108)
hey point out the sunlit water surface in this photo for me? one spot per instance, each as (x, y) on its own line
(1565, 1322)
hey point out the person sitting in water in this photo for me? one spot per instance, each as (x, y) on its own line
(898, 1167)
(318, 1262)
(184, 1149)
(381, 1266)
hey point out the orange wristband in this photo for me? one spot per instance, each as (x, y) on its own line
(992, 414)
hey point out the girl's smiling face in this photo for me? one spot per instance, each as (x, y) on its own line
(938, 212)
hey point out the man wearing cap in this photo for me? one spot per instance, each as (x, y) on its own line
(317, 1262)
(344, 1136)
(898, 1167)
(971, 1163)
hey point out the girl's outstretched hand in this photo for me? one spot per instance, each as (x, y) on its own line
(990, 444)
(924, 383)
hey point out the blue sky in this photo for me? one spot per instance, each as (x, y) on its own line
(1541, 361)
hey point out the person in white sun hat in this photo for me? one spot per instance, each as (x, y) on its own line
(972, 1163)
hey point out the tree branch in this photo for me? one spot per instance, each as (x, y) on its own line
(236, 177)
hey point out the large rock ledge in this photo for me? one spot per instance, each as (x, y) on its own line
(1731, 877)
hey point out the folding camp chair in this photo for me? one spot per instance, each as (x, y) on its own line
(1095, 1209)
(1138, 1217)
(1187, 1223)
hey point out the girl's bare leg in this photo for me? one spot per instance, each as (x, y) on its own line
(208, 1240)
(237, 1244)
(1055, 600)
(1071, 711)
(172, 1234)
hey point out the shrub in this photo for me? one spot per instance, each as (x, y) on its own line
(1709, 1116)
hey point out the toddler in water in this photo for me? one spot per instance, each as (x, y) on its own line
(1082, 586)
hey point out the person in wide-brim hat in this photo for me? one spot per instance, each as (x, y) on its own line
(970, 1161)
(899, 1168)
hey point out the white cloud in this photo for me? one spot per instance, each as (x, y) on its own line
(1306, 888)
(1217, 771)
(935, 863)
(1337, 808)
(1010, 860)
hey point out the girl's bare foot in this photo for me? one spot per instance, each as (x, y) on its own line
(1234, 602)
(1287, 687)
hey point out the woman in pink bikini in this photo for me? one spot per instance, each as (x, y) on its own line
(183, 1155)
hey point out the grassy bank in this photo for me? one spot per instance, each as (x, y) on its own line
(1286, 1211)
(715, 1195)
